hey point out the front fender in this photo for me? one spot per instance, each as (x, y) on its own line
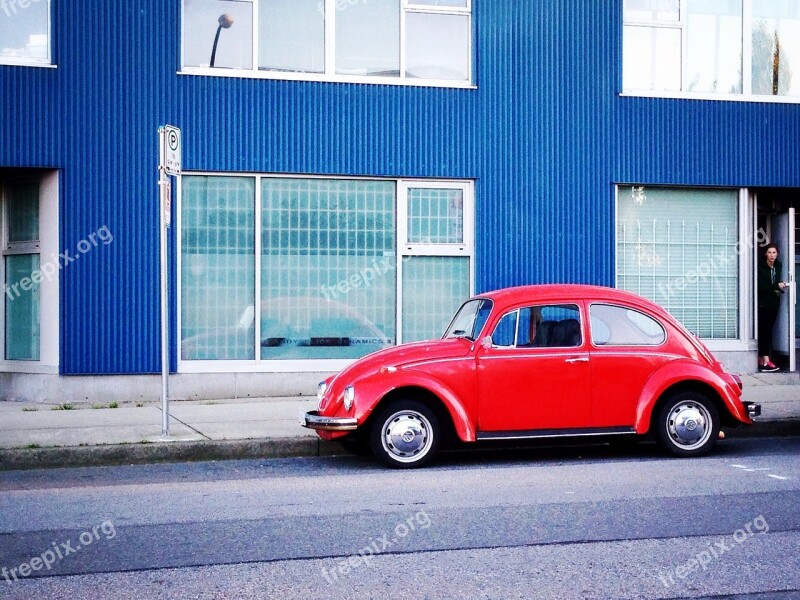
(682, 372)
(376, 388)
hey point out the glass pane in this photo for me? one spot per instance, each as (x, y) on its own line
(218, 33)
(292, 35)
(22, 307)
(433, 289)
(618, 326)
(651, 58)
(679, 247)
(435, 216)
(437, 46)
(25, 31)
(652, 10)
(776, 47)
(455, 3)
(328, 268)
(217, 268)
(714, 53)
(368, 38)
(505, 332)
(23, 213)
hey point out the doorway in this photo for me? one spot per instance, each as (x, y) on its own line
(777, 217)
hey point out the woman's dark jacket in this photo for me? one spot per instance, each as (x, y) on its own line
(769, 294)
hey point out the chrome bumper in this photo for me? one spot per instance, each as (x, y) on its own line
(313, 420)
(753, 409)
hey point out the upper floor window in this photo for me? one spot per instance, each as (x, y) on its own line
(424, 41)
(732, 47)
(25, 32)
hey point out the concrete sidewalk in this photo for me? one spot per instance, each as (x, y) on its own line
(41, 435)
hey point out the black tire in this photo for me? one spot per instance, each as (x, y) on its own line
(405, 434)
(687, 424)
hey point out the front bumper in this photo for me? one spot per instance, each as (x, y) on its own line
(753, 409)
(313, 420)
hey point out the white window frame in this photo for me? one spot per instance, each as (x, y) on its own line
(747, 50)
(35, 62)
(746, 232)
(330, 75)
(48, 362)
(259, 365)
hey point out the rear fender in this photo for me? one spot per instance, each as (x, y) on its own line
(682, 373)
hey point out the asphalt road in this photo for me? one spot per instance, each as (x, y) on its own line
(542, 522)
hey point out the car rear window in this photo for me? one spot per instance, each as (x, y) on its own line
(620, 326)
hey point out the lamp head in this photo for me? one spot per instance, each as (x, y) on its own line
(225, 21)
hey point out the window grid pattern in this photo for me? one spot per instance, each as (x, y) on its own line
(433, 289)
(328, 267)
(435, 216)
(217, 268)
(22, 336)
(688, 264)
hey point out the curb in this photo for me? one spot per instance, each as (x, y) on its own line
(12, 459)
(161, 452)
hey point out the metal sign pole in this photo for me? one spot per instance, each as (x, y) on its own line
(164, 192)
(169, 138)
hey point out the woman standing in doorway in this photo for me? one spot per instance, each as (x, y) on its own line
(770, 288)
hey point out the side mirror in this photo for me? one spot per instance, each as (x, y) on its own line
(486, 342)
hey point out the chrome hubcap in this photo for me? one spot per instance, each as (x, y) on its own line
(407, 436)
(689, 425)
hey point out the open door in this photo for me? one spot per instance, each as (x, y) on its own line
(783, 237)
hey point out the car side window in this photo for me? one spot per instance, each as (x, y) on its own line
(548, 326)
(619, 326)
(506, 330)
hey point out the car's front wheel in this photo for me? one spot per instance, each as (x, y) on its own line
(405, 434)
(688, 424)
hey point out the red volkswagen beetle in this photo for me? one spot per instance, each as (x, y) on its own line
(536, 362)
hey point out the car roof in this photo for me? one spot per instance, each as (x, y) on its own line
(566, 291)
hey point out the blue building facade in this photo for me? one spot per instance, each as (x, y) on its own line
(345, 187)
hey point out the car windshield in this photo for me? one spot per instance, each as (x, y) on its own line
(469, 319)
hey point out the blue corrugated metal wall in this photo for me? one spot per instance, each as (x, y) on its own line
(544, 135)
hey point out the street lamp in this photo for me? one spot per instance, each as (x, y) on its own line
(225, 22)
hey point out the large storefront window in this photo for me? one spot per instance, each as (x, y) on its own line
(679, 247)
(353, 40)
(327, 269)
(217, 268)
(735, 47)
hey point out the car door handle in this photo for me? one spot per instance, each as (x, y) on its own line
(577, 360)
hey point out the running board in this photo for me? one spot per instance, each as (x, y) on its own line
(533, 434)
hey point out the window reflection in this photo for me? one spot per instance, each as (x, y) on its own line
(219, 28)
(368, 39)
(25, 32)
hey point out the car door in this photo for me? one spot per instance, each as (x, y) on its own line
(627, 347)
(535, 373)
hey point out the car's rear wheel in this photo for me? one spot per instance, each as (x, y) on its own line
(688, 424)
(405, 434)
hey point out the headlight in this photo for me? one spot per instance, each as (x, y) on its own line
(321, 389)
(349, 397)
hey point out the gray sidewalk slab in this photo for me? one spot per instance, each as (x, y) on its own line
(35, 435)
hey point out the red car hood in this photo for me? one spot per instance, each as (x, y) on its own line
(406, 355)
